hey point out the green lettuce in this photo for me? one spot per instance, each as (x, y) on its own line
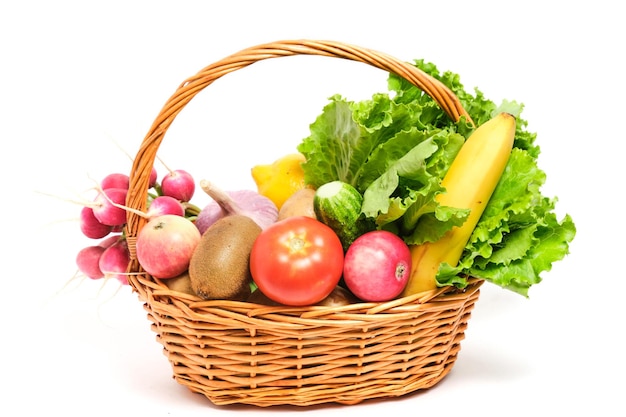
(396, 147)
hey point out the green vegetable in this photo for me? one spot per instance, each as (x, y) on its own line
(396, 147)
(338, 205)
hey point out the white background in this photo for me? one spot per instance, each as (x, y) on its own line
(80, 83)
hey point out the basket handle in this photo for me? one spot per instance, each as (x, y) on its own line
(144, 160)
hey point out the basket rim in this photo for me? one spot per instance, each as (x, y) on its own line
(155, 291)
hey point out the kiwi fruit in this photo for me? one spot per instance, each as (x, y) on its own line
(180, 283)
(219, 268)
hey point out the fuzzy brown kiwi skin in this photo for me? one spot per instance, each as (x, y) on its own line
(181, 283)
(220, 265)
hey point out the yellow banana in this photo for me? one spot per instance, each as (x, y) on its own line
(469, 183)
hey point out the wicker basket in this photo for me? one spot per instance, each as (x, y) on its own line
(237, 352)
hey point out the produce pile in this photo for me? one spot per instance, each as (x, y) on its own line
(385, 198)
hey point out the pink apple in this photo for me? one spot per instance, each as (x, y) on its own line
(165, 245)
(377, 266)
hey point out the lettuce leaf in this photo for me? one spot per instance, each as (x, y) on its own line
(392, 155)
(518, 236)
(396, 147)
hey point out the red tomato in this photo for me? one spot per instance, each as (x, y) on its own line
(297, 261)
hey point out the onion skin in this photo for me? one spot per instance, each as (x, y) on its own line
(225, 203)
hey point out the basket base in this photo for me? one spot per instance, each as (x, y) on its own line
(315, 396)
(241, 353)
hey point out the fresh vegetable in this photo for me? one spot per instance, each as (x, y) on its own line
(91, 226)
(377, 266)
(107, 206)
(165, 204)
(244, 202)
(338, 205)
(88, 261)
(108, 259)
(280, 179)
(339, 296)
(220, 264)
(299, 203)
(154, 177)
(114, 260)
(468, 184)
(179, 184)
(393, 165)
(110, 240)
(297, 261)
(115, 180)
(396, 148)
(165, 245)
(257, 297)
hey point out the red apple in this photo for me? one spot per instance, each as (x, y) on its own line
(165, 245)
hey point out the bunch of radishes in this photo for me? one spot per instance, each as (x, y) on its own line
(105, 217)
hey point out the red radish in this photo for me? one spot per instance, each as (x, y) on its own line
(88, 260)
(246, 202)
(165, 204)
(165, 245)
(106, 206)
(115, 180)
(105, 243)
(109, 209)
(114, 261)
(153, 177)
(178, 184)
(377, 266)
(91, 226)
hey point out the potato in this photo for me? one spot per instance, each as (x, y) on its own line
(338, 297)
(299, 203)
(257, 297)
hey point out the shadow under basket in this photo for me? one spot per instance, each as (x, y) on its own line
(243, 353)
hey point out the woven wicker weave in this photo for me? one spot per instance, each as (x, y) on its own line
(236, 352)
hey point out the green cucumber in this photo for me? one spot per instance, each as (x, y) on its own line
(338, 205)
